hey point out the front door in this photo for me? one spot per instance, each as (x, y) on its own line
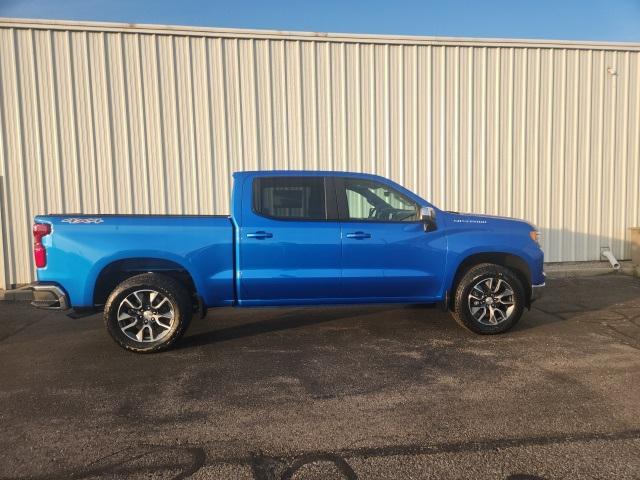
(289, 241)
(386, 253)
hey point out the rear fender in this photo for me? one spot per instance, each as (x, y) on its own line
(142, 255)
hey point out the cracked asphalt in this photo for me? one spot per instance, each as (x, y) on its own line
(331, 393)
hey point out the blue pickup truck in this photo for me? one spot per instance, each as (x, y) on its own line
(293, 238)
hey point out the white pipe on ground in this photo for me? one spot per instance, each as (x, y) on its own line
(612, 260)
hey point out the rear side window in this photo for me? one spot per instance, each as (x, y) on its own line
(290, 198)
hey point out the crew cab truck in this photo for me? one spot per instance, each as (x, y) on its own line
(293, 238)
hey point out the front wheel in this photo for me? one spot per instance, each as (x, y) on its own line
(489, 299)
(148, 313)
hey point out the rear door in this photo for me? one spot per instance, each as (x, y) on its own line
(289, 241)
(386, 253)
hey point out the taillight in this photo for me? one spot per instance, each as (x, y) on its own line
(39, 252)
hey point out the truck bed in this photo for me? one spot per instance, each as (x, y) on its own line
(80, 247)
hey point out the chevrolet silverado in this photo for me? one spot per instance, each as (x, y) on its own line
(293, 238)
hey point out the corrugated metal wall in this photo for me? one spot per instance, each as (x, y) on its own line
(109, 118)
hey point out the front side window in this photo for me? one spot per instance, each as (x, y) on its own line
(290, 198)
(373, 201)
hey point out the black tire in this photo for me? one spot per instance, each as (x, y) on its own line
(178, 302)
(463, 303)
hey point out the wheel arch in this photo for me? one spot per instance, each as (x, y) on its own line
(119, 270)
(511, 261)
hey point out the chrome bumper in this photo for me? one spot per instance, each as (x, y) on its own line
(50, 297)
(537, 291)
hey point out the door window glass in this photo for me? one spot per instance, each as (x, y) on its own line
(290, 197)
(373, 201)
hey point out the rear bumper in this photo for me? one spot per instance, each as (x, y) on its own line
(49, 297)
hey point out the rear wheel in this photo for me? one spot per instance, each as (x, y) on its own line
(489, 299)
(148, 313)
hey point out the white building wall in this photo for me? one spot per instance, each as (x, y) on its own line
(109, 118)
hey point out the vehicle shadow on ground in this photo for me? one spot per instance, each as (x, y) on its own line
(300, 317)
(556, 306)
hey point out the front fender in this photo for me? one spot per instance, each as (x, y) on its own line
(465, 245)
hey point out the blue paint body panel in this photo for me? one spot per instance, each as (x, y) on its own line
(297, 262)
(78, 252)
(399, 260)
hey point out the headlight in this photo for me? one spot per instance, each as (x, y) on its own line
(535, 236)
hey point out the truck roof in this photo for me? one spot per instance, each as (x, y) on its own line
(305, 173)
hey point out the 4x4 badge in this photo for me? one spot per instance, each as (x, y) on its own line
(82, 220)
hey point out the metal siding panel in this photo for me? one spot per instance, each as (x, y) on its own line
(265, 100)
(64, 85)
(494, 92)
(5, 250)
(585, 157)
(27, 200)
(170, 110)
(353, 101)
(453, 128)
(154, 126)
(294, 133)
(103, 125)
(119, 120)
(367, 119)
(534, 170)
(248, 105)
(84, 125)
(411, 115)
(519, 112)
(609, 150)
(234, 105)
(380, 112)
(280, 110)
(465, 125)
(338, 107)
(572, 135)
(507, 157)
(177, 30)
(323, 122)
(438, 139)
(135, 112)
(13, 198)
(395, 113)
(633, 191)
(622, 140)
(424, 142)
(596, 200)
(218, 108)
(202, 131)
(185, 132)
(484, 113)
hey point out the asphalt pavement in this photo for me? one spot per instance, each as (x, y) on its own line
(365, 392)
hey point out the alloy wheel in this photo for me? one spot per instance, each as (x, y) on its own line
(491, 301)
(145, 316)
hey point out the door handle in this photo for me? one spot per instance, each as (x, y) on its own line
(358, 235)
(260, 235)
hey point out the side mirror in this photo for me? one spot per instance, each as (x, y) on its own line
(428, 218)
